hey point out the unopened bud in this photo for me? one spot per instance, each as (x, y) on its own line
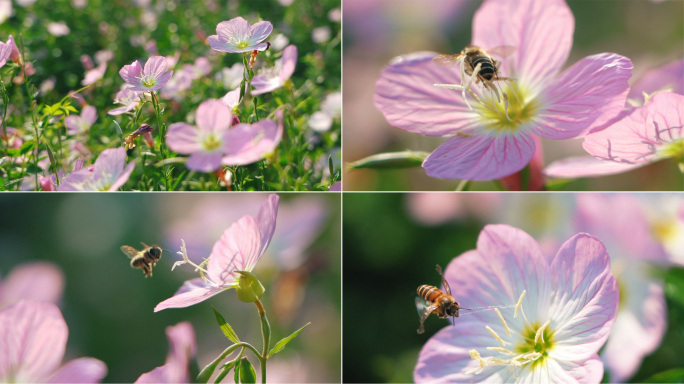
(249, 287)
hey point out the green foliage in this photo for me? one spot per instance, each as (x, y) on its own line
(405, 159)
(282, 343)
(225, 327)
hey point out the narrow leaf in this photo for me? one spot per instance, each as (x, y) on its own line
(27, 147)
(51, 156)
(247, 372)
(675, 375)
(225, 370)
(405, 159)
(171, 160)
(281, 344)
(118, 129)
(225, 327)
(330, 165)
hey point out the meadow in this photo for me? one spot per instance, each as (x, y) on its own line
(138, 95)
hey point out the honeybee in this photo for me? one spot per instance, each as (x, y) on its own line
(431, 299)
(145, 259)
(479, 65)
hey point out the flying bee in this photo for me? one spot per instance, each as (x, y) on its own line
(145, 259)
(431, 299)
(479, 65)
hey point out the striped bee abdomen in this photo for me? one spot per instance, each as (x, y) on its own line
(487, 68)
(429, 292)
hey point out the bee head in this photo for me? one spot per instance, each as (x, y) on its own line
(452, 309)
(155, 252)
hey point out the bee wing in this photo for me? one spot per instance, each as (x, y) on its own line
(129, 251)
(447, 288)
(502, 51)
(424, 308)
(447, 60)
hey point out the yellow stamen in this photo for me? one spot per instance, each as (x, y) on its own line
(508, 331)
(502, 350)
(517, 306)
(540, 332)
(496, 336)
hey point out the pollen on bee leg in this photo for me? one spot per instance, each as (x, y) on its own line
(540, 332)
(519, 304)
(496, 335)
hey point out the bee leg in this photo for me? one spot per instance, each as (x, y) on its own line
(505, 79)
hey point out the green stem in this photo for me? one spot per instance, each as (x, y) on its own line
(5, 99)
(162, 135)
(462, 185)
(33, 115)
(266, 334)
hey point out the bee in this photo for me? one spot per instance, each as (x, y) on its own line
(145, 259)
(479, 65)
(431, 299)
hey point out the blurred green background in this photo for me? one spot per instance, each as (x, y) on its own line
(649, 33)
(392, 242)
(108, 306)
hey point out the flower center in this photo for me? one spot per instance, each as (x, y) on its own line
(148, 81)
(211, 142)
(522, 108)
(535, 341)
(674, 150)
(664, 230)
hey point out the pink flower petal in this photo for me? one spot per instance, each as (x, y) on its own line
(481, 156)
(163, 79)
(288, 62)
(587, 298)
(123, 176)
(405, 94)
(669, 76)
(182, 348)
(190, 293)
(72, 123)
(204, 162)
(249, 143)
(586, 166)
(261, 30)
(5, 53)
(267, 220)
(39, 281)
(444, 357)
(238, 250)
(584, 97)
(89, 115)
(182, 138)
(110, 162)
(34, 336)
(121, 110)
(82, 370)
(265, 83)
(131, 73)
(638, 137)
(535, 178)
(587, 372)
(541, 32)
(155, 66)
(213, 115)
(232, 98)
(234, 28)
(337, 187)
(639, 326)
(620, 219)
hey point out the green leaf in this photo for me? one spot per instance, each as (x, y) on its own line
(13, 152)
(558, 184)
(281, 344)
(33, 169)
(675, 375)
(225, 327)
(247, 372)
(118, 129)
(330, 165)
(27, 147)
(391, 160)
(51, 156)
(171, 160)
(225, 370)
(674, 285)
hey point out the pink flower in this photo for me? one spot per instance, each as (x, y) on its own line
(232, 98)
(5, 53)
(566, 309)
(275, 78)
(236, 35)
(182, 349)
(58, 29)
(48, 183)
(176, 87)
(16, 55)
(212, 142)
(128, 98)
(438, 208)
(40, 281)
(201, 68)
(110, 172)
(667, 78)
(34, 336)
(485, 144)
(642, 314)
(337, 187)
(81, 124)
(239, 249)
(154, 76)
(95, 74)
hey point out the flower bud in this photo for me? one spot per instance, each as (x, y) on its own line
(249, 287)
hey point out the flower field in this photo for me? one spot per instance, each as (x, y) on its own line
(170, 95)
